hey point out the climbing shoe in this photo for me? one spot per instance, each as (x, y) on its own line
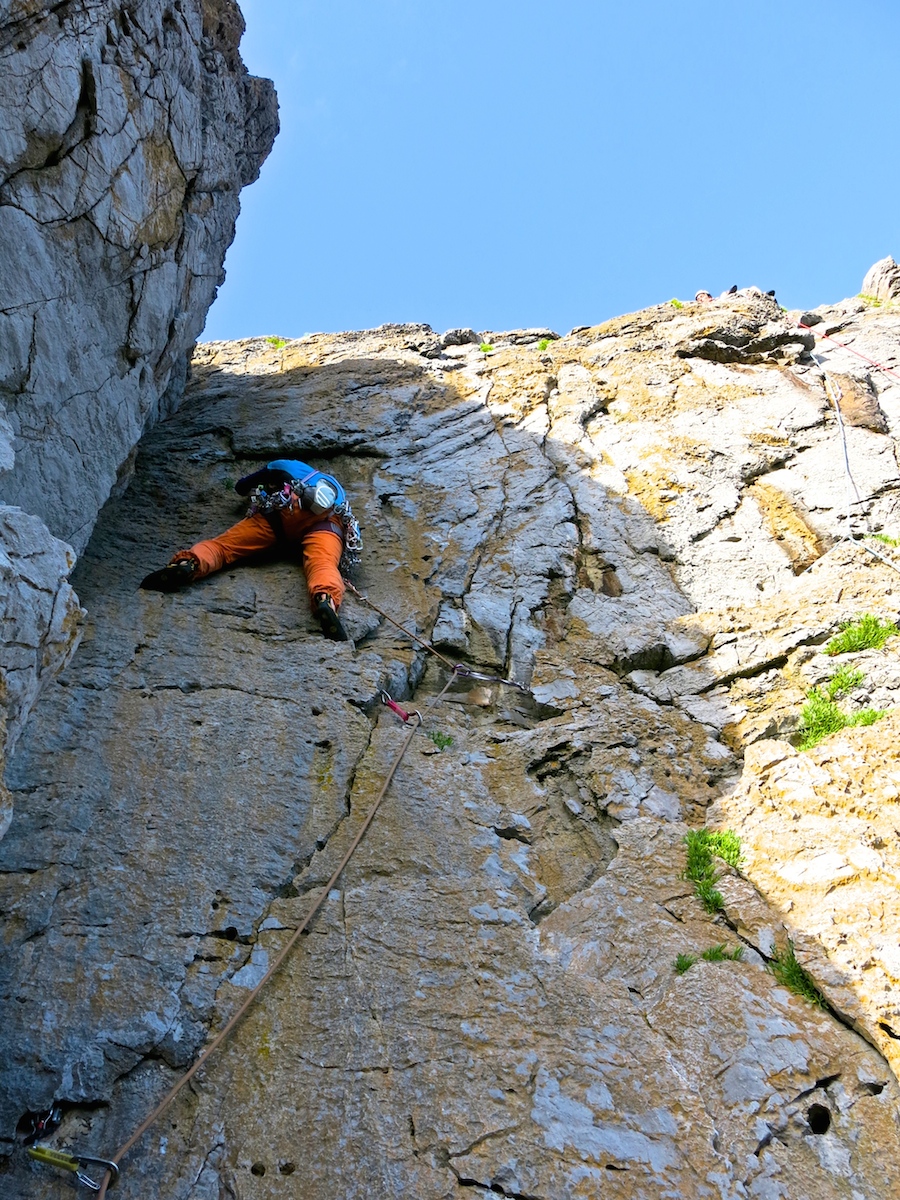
(328, 618)
(171, 578)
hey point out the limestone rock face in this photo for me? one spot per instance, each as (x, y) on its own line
(126, 134)
(643, 524)
(39, 621)
(819, 830)
(882, 282)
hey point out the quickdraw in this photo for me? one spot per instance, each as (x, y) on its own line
(264, 502)
(465, 673)
(75, 1163)
(353, 543)
(395, 707)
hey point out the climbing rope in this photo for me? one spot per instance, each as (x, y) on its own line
(457, 669)
(851, 536)
(74, 1162)
(871, 361)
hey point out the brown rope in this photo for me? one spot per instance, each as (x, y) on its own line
(457, 668)
(220, 1037)
(409, 633)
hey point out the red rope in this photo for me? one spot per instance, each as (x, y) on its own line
(864, 357)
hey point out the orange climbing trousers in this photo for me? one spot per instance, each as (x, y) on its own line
(318, 539)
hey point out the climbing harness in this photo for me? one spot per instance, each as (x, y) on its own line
(75, 1163)
(206, 1053)
(457, 669)
(264, 502)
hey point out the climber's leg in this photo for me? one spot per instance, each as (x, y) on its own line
(321, 551)
(250, 536)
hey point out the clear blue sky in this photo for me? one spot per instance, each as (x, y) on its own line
(512, 163)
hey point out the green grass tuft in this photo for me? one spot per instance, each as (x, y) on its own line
(709, 895)
(485, 347)
(790, 974)
(844, 680)
(543, 343)
(725, 845)
(676, 303)
(821, 715)
(865, 633)
(721, 954)
(867, 716)
(441, 740)
(278, 342)
(883, 537)
(872, 300)
(702, 846)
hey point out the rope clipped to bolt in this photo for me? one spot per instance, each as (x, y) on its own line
(457, 669)
(206, 1053)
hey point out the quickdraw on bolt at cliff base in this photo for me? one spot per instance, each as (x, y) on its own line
(74, 1162)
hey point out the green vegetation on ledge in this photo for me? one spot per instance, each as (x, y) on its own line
(790, 974)
(719, 953)
(821, 715)
(703, 845)
(865, 633)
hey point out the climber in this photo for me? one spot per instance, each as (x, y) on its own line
(292, 506)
